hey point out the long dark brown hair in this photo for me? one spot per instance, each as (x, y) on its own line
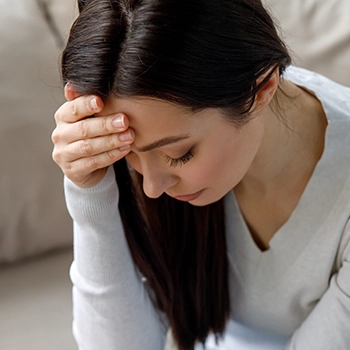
(199, 54)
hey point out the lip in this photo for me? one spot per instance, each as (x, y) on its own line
(189, 197)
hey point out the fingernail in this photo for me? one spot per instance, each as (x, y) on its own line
(118, 122)
(93, 104)
(125, 136)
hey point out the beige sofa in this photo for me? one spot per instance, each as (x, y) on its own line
(35, 229)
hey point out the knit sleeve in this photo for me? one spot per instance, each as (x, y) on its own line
(111, 307)
(328, 325)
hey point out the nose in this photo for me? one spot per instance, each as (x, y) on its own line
(156, 181)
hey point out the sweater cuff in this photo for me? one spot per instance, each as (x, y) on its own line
(86, 205)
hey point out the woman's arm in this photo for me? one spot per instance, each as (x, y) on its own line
(328, 325)
(112, 309)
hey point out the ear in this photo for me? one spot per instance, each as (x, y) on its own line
(267, 92)
(70, 92)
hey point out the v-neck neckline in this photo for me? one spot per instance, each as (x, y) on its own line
(312, 210)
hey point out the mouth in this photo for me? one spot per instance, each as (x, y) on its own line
(189, 197)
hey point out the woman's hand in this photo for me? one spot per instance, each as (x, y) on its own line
(84, 147)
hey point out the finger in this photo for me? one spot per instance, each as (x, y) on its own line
(85, 166)
(94, 127)
(98, 145)
(78, 109)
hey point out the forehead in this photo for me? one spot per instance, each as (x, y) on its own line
(152, 117)
(140, 110)
(153, 120)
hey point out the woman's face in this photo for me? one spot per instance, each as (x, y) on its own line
(196, 157)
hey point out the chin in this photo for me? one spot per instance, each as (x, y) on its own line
(206, 200)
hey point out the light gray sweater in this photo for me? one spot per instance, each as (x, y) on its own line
(299, 288)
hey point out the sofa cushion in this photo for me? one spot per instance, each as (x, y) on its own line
(318, 33)
(33, 217)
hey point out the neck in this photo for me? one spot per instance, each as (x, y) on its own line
(293, 142)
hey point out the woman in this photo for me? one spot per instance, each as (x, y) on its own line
(211, 185)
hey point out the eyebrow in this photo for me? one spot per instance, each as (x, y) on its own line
(163, 142)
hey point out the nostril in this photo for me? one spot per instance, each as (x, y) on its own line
(155, 186)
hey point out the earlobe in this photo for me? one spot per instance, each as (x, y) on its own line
(267, 92)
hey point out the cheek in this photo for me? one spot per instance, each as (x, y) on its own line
(208, 170)
(224, 165)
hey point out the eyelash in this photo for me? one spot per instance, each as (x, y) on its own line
(180, 161)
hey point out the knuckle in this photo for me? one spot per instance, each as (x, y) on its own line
(56, 136)
(55, 156)
(74, 108)
(61, 113)
(83, 129)
(91, 163)
(69, 171)
(59, 159)
(111, 155)
(86, 148)
(87, 105)
(111, 142)
(104, 126)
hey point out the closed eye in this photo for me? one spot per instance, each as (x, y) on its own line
(181, 160)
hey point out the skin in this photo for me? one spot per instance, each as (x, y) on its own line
(221, 154)
(83, 148)
(263, 161)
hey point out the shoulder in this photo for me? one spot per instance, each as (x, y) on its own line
(335, 100)
(334, 97)
(330, 183)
